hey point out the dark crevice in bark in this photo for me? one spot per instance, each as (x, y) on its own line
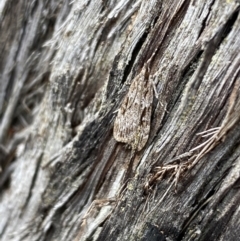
(150, 50)
(34, 5)
(49, 233)
(229, 24)
(210, 50)
(104, 172)
(128, 68)
(122, 76)
(106, 29)
(83, 195)
(184, 74)
(227, 27)
(135, 53)
(104, 6)
(194, 214)
(177, 92)
(205, 19)
(9, 87)
(178, 17)
(86, 152)
(75, 98)
(114, 78)
(213, 233)
(213, 186)
(187, 73)
(104, 33)
(104, 233)
(5, 175)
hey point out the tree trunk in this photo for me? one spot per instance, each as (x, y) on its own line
(120, 120)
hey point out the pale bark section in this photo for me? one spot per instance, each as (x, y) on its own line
(65, 68)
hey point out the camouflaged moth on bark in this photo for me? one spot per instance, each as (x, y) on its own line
(132, 124)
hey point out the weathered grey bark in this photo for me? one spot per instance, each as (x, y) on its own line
(65, 68)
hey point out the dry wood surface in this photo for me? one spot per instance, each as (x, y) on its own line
(119, 120)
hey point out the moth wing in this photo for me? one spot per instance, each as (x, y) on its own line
(132, 124)
(145, 117)
(126, 122)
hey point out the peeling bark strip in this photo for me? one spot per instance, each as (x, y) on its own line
(132, 124)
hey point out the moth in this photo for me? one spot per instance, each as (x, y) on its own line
(132, 124)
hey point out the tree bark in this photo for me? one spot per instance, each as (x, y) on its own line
(68, 69)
